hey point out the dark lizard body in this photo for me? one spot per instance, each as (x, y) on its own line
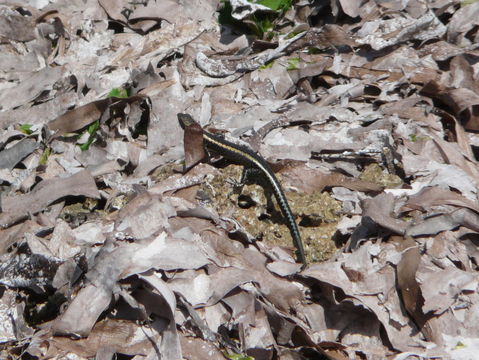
(250, 160)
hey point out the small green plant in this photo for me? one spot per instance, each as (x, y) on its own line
(119, 93)
(292, 34)
(413, 137)
(276, 5)
(262, 26)
(44, 157)
(293, 63)
(468, 2)
(238, 357)
(26, 128)
(91, 130)
(313, 50)
(268, 65)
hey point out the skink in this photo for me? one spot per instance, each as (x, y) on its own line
(250, 160)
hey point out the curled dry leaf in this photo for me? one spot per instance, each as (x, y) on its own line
(15, 208)
(30, 88)
(13, 155)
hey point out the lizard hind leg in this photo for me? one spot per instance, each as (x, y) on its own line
(254, 176)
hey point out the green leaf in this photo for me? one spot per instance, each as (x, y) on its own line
(44, 157)
(265, 24)
(467, 2)
(92, 129)
(268, 65)
(119, 93)
(276, 4)
(292, 34)
(260, 24)
(86, 146)
(239, 357)
(26, 129)
(413, 137)
(293, 63)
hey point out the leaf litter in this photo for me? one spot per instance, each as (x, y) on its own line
(114, 246)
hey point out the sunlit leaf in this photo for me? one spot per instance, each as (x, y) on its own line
(92, 129)
(293, 63)
(276, 4)
(239, 357)
(44, 157)
(25, 128)
(119, 93)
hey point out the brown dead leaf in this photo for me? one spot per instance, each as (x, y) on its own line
(78, 118)
(409, 108)
(193, 140)
(195, 348)
(462, 101)
(440, 50)
(114, 9)
(30, 88)
(462, 74)
(202, 289)
(443, 286)
(341, 308)
(144, 216)
(258, 338)
(409, 287)
(310, 180)
(17, 207)
(435, 196)
(75, 321)
(16, 26)
(461, 22)
(120, 336)
(15, 233)
(176, 182)
(380, 210)
(84, 115)
(169, 345)
(145, 17)
(465, 104)
(117, 263)
(13, 155)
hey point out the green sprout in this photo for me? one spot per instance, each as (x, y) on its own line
(26, 129)
(276, 5)
(118, 93)
(467, 2)
(91, 130)
(238, 357)
(44, 157)
(293, 63)
(268, 65)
